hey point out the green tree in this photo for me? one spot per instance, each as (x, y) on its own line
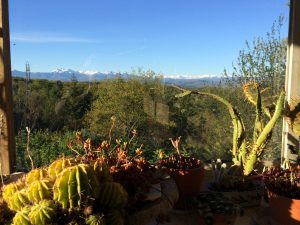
(263, 61)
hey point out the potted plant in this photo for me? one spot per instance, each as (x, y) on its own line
(217, 209)
(246, 152)
(186, 171)
(231, 182)
(284, 193)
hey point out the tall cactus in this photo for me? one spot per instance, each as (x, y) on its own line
(246, 156)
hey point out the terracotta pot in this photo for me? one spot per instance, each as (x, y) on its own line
(284, 210)
(188, 181)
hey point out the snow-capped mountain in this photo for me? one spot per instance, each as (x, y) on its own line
(91, 75)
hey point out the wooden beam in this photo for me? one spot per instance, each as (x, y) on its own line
(290, 143)
(7, 141)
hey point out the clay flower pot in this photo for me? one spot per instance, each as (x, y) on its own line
(284, 210)
(188, 181)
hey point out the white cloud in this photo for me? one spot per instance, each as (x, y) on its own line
(37, 37)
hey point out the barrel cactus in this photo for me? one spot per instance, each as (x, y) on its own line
(57, 167)
(12, 188)
(42, 213)
(18, 200)
(75, 186)
(34, 175)
(39, 190)
(112, 195)
(69, 185)
(21, 217)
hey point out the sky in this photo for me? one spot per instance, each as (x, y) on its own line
(172, 37)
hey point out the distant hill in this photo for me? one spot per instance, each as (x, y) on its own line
(84, 76)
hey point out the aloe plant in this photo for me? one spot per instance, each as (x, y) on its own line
(243, 153)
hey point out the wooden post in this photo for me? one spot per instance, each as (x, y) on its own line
(7, 141)
(290, 143)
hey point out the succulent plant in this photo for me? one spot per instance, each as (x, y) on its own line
(12, 188)
(246, 155)
(21, 217)
(57, 167)
(18, 200)
(75, 186)
(70, 185)
(95, 219)
(42, 213)
(284, 180)
(34, 175)
(112, 195)
(179, 161)
(216, 203)
(39, 190)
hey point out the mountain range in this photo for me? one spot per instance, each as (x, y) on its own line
(88, 75)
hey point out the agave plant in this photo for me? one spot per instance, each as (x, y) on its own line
(244, 152)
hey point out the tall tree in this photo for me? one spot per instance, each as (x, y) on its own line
(263, 60)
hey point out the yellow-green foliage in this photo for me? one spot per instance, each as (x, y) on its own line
(21, 217)
(42, 213)
(111, 196)
(95, 220)
(38, 190)
(57, 167)
(75, 186)
(18, 200)
(12, 188)
(34, 175)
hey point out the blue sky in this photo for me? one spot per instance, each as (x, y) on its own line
(173, 37)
